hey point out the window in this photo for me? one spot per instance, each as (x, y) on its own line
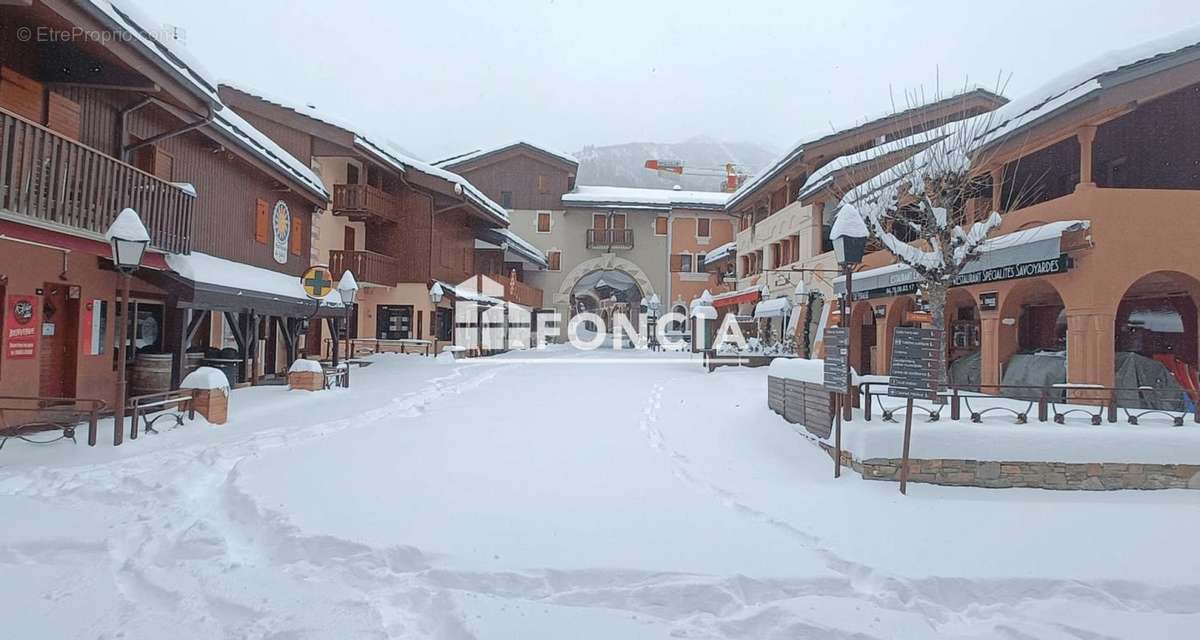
(702, 227)
(570, 183)
(554, 257)
(541, 184)
(699, 262)
(506, 199)
(543, 222)
(660, 226)
(685, 263)
(351, 173)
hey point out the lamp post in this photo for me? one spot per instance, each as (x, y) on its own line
(849, 235)
(347, 288)
(128, 238)
(653, 305)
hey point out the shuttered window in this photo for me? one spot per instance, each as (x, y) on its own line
(702, 227)
(297, 237)
(543, 222)
(555, 260)
(660, 226)
(262, 222)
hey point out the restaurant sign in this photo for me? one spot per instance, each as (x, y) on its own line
(21, 327)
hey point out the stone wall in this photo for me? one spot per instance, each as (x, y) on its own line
(1103, 476)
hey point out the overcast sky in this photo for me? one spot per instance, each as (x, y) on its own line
(445, 76)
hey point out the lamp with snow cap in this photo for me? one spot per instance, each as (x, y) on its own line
(128, 238)
(347, 288)
(436, 293)
(849, 236)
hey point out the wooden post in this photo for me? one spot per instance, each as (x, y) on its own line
(837, 436)
(122, 338)
(955, 409)
(904, 453)
(92, 426)
(1086, 136)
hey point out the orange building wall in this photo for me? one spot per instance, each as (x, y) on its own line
(687, 287)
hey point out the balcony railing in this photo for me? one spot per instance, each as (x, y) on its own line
(360, 201)
(609, 239)
(518, 292)
(368, 267)
(53, 179)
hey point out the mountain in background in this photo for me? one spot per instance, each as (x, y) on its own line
(623, 165)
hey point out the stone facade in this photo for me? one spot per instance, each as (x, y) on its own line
(1101, 476)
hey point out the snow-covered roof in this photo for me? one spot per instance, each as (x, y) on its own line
(637, 198)
(382, 149)
(176, 59)
(516, 244)
(720, 253)
(1086, 79)
(463, 158)
(464, 293)
(201, 267)
(824, 175)
(773, 308)
(797, 150)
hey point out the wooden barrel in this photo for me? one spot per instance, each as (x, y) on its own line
(192, 361)
(151, 374)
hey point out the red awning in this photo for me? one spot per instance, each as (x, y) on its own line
(737, 298)
(66, 242)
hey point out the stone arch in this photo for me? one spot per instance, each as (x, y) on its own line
(1025, 319)
(606, 262)
(1157, 315)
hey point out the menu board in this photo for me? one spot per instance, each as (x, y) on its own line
(837, 369)
(916, 363)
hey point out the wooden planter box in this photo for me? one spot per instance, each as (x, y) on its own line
(306, 380)
(213, 404)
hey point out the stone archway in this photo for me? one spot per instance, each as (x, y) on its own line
(606, 262)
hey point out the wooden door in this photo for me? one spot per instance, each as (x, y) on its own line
(618, 221)
(59, 341)
(348, 239)
(599, 221)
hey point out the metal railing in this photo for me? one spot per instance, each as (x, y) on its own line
(610, 238)
(36, 414)
(51, 178)
(1052, 403)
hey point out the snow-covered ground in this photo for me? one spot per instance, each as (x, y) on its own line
(557, 495)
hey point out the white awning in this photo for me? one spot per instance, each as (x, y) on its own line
(773, 308)
(1026, 253)
(237, 276)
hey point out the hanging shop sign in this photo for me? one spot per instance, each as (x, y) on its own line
(281, 225)
(21, 327)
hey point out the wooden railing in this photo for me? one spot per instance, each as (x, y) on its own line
(367, 266)
(610, 239)
(56, 180)
(518, 292)
(360, 201)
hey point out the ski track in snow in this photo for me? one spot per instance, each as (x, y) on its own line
(191, 550)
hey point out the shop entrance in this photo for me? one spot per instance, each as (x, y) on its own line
(394, 322)
(59, 340)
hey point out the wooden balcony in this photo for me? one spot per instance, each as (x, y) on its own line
(359, 202)
(368, 267)
(610, 239)
(519, 292)
(59, 182)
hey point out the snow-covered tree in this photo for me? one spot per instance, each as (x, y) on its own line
(931, 210)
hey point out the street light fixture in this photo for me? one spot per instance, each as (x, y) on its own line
(436, 293)
(128, 238)
(849, 236)
(347, 288)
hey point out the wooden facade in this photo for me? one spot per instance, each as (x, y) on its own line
(519, 176)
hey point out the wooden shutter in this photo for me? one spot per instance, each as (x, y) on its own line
(702, 227)
(543, 223)
(676, 263)
(21, 95)
(618, 221)
(599, 221)
(660, 225)
(555, 259)
(262, 222)
(62, 115)
(297, 237)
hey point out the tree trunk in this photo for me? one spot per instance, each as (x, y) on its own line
(936, 293)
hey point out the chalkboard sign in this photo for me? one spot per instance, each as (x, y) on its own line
(916, 363)
(837, 370)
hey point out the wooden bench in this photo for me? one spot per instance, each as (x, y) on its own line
(180, 400)
(39, 414)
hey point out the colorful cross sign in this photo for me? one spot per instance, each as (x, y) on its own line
(317, 281)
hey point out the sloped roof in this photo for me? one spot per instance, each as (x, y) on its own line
(797, 150)
(477, 154)
(516, 244)
(383, 150)
(1082, 82)
(176, 60)
(632, 197)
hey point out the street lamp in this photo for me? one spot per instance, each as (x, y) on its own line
(849, 235)
(653, 305)
(436, 293)
(347, 288)
(128, 238)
